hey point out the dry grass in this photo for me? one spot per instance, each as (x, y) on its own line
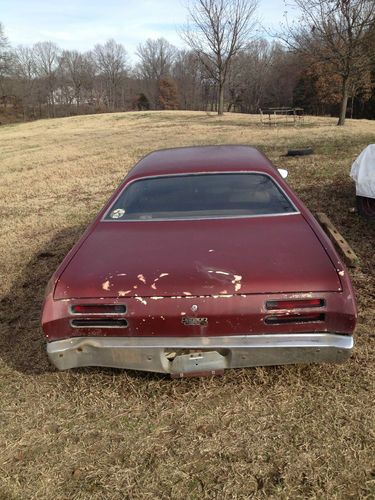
(282, 432)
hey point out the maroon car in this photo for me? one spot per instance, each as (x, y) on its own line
(203, 259)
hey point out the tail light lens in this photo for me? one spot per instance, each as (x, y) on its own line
(98, 309)
(277, 305)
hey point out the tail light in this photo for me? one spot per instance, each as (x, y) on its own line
(292, 311)
(99, 323)
(277, 305)
(278, 319)
(98, 309)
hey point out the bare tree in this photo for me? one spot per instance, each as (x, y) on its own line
(335, 32)
(217, 31)
(77, 73)
(25, 76)
(156, 59)
(46, 56)
(111, 61)
(5, 65)
(4, 60)
(187, 72)
(249, 75)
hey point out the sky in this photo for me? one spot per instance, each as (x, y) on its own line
(80, 24)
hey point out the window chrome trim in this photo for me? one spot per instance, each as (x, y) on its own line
(209, 217)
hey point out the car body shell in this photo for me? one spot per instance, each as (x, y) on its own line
(200, 284)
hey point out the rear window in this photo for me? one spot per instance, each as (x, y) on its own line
(200, 196)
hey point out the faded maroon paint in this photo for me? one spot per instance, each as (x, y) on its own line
(238, 315)
(202, 159)
(201, 257)
(284, 255)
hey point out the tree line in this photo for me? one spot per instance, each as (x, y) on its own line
(324, 63)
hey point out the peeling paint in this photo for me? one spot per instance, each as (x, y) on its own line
(140, 299)
(237, 282)
(156, 298)
(211, 250)
(219, 272)
(341, 273)
(122, 293)
(162, 275)
(186, 293)
(300, 295)
(121, 274)
(141, 278)
(106, 285)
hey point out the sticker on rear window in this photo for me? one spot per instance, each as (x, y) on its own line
(117, 214)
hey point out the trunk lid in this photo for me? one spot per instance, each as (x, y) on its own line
(270, 254)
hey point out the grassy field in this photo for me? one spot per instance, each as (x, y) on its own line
(280, 432)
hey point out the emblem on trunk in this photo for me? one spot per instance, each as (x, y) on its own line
(194, 321)
(194, 308)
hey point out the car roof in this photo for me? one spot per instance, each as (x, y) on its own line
(229, 158)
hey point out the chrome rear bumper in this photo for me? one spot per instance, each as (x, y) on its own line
(216, 353)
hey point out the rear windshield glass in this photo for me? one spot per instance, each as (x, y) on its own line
(200, 196)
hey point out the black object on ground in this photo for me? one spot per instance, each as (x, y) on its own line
(300, 151)
(366, 206)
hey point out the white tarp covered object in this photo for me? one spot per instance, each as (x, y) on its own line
(363, 172)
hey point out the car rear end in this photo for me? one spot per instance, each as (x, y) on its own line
(197, 314)
(183, 335)
(195, 272)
